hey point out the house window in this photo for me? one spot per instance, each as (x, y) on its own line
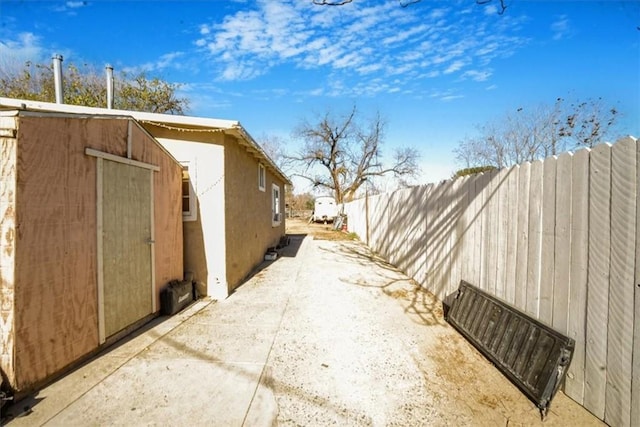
(276, 214)
(262, 179)
(189, 212)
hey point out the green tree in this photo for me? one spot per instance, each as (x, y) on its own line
(87, 87)
(473, 171)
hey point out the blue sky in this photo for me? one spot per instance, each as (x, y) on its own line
(433, 70)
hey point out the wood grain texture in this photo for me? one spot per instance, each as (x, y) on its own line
(511, 218)
(624, 193)
(635, 368)
(522, 244)
(502, 231)
(562, 244)
(598, 283)
(534, 255)
(8, 159)
(548, 237)
(574, 383)
(490, 232)
(55, 261)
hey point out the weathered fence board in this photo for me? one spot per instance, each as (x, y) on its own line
(512, 234)
(524, 180)
(547, 243)
(535, 240)
(466, 219)
(577, 308)
(562, 244)
(502, 220)
(458, 206)
(621, 291)
(598, 282)
(635, 376)
(490, 231)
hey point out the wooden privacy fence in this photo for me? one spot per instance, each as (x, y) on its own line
(558, 238)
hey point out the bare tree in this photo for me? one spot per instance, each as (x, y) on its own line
(275, 147)
(340, 154)
(537, 132)
(404, 3)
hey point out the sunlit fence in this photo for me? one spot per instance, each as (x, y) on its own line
(558, 238)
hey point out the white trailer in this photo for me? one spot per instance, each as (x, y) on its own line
(325, 210)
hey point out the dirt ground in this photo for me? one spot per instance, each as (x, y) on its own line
(319, 231)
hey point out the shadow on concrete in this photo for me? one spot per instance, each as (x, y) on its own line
(291, 250)
(288, 251)
(420, 305)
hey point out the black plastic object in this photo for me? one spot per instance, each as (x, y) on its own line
(176, 296)
(532, 355)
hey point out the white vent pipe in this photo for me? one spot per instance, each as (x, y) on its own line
(109, 69)
(57, 78)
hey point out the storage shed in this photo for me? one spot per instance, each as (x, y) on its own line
(232, 198)
(90, 232)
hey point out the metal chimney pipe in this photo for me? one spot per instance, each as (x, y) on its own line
(57, 78)
(109, 69)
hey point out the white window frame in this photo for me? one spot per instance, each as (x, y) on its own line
(276, 201)
(192, 213)
(262, 177)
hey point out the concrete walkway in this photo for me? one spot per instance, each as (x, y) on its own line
(325, 335)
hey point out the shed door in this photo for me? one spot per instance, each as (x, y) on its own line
(127, 243)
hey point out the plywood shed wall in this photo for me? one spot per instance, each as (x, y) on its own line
(55, 301)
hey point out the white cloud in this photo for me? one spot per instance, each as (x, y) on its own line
(476, 75)
(363, 41)
(560, 27)
(25, 47)
(455, 66)
(451, 97)
(69, 7)
(490, 9)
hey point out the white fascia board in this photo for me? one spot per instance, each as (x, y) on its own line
(151, 117)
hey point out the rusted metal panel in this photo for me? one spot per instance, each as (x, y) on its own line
(531, 354)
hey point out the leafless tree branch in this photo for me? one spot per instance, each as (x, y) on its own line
(341, 154)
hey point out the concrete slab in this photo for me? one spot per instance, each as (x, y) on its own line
(330, 336)
(220, 342)
(187, 391)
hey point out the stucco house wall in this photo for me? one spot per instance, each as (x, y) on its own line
(48, 286)
(204, 237)
(252, 230)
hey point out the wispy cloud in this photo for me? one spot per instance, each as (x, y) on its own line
(168, 60)
(367, 42)
(560, 28)
(477, 75)
(69, 7)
